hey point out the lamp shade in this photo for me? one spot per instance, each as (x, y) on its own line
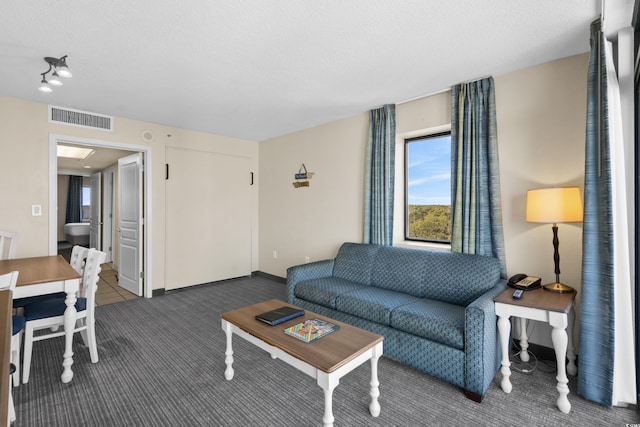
(553, 205)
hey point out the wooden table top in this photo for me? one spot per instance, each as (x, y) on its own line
(539, 298)
(36, 270)
(327, 353)
(5, 347)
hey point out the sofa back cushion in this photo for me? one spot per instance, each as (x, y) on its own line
(458, 278)
(354, 262)
(449, 277)
(401, 270)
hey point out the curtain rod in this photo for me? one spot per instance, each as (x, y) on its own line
(415, 98)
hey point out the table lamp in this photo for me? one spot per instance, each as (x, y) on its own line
(554, 205)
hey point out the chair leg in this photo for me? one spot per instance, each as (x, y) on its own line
(91, 337)
(12, 410)
(28, 348)
(15, 357)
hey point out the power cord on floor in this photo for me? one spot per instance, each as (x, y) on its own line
(518, 365)
(528, 368)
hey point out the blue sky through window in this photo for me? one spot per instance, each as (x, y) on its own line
(429, 171)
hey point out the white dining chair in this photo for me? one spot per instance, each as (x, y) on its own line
(9, 281)
(49, 314)
(77, 259)
(8, 244)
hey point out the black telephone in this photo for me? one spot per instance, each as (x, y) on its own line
(524, 282)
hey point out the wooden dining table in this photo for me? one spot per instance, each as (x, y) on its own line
(47, 275)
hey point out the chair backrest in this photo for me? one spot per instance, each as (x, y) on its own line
(78, 256)
(90, 277)
(8, 280)
(8, 244)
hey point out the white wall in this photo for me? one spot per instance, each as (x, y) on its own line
(24, 171)
(541, 124)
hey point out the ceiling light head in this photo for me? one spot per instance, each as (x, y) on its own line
(44, 85)
(59, 65)
(55, 79)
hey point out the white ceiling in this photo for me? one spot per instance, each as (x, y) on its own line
(256, 69)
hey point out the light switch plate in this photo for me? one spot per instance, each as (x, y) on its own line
(36, 210)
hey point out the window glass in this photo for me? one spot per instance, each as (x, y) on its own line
(428, 188)
(86, 202)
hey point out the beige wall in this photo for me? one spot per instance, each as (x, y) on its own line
(24, 170)
(311, 221)
(541, 121)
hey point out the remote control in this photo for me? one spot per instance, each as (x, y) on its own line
(517, 294)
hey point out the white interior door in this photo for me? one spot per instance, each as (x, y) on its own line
(208, 217)
(130, 223)
(96, 211)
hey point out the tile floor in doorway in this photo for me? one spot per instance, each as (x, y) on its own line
(108, 289)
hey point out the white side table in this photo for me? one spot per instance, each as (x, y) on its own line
(553, 308)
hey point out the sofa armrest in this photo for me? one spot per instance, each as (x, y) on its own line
(482, 346)
(313, 270)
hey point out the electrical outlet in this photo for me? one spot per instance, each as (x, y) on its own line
(306, 260)
(275, 254)
(36, 210)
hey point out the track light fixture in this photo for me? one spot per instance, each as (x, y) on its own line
(59, 68)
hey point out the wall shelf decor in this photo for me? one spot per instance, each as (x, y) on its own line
(302, 178)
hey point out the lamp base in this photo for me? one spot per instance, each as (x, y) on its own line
(558, 288)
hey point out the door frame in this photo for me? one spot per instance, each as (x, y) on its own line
(146, 199)
(107, 221)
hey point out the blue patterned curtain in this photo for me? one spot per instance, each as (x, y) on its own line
(379, 176)
(595, 370)
(74, 199)
(476, 207)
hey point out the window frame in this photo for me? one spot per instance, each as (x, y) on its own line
(407, 141)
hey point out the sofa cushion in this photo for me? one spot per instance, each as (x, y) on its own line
(400, 269)
(434, 320)
(354, 262)
(324, 291)
(458, 278)
(372, 303)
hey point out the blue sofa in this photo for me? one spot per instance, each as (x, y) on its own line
(435, 309)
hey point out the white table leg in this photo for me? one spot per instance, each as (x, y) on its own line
(69, 318)
(524, 340)
(374, 406)
(504, 328)
(328, 384)
(228, 373)
(559, 338)
(572, 369)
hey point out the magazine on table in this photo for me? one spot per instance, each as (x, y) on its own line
(311, 329)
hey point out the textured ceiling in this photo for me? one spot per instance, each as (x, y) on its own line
(257, 69)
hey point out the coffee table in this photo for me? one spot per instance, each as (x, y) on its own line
(326, 359)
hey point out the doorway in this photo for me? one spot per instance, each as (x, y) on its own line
(145, 264)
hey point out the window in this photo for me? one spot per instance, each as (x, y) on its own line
(86, 202)
(428, 188)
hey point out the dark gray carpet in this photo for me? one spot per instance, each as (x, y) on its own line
(162, 364)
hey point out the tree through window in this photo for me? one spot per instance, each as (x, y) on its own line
(428, 188)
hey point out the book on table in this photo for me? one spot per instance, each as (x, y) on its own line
(279, 315)
(311, 329)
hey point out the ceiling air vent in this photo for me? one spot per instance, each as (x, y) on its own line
(67, 116)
